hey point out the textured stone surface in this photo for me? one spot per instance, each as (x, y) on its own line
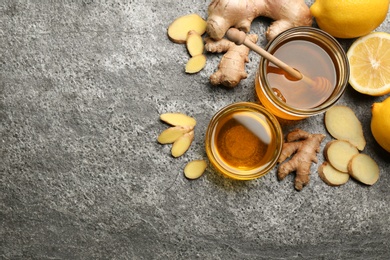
(82, 84)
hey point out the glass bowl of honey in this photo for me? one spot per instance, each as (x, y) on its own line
(315, 54)
(243, 141)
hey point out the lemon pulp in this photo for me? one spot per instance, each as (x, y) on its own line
(369, 60)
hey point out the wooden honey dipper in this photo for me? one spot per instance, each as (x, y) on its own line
(239, 37)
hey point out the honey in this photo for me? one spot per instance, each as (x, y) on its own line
(312, 61)
(242, 141)
(318, 56)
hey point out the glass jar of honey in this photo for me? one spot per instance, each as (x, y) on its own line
(315, 54)
(243, 141)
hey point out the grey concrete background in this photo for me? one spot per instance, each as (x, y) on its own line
(82, 177)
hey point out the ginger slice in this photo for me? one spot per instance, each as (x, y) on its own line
(342, 123)
(178, 119)
(194, 43)
(195, 64)
(195, 169)
(364, 169)
(305, 147)
(338, 153)
(171, 134)
(179, 28)
(331, 176)
(181, 145)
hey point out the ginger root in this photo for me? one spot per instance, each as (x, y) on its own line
(304, 146)
(231, 69)
(223, 14)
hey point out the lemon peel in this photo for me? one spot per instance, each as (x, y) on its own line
(380, 123)
(349, 18)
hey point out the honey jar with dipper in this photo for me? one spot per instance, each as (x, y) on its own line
(313, 53)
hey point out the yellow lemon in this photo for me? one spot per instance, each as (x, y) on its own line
(349, 18)
(380, 123)
(369, 61)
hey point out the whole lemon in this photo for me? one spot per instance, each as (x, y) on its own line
(380, 123)
(349, 18)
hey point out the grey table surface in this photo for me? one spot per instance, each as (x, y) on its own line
(82, 85)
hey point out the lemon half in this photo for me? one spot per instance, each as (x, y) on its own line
(369, 60)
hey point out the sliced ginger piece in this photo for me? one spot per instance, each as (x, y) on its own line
(195, 169)
(331, 176)
(178, 119)
(195, 64)
(364, 169)
(181, 145)
(179, 28)
(194, 43)
(171, 134)
(338, 153)
(342, 123)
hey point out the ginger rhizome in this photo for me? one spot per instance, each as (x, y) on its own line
(223, 14)
(231, 69)
(304, 148)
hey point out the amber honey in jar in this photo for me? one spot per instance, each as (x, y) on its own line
(243, 141)
(315, 54)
